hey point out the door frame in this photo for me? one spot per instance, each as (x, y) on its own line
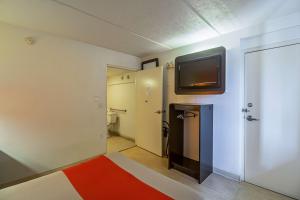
(245, 51)
(116, 67)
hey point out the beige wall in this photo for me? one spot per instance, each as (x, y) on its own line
(122, 95)
(52, 101)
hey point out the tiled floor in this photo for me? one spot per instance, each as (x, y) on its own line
(215, 187)
(117, 143)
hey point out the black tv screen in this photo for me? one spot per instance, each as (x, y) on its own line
(201, 72)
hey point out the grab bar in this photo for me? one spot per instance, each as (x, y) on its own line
(120, 110)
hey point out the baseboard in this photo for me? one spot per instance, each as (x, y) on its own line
(227, 174)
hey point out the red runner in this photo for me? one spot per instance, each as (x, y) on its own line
(100, 178)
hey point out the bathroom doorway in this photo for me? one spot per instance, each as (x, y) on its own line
(121, 108)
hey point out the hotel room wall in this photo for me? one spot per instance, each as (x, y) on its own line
(121, 94)
(228, 118)
(53, 101)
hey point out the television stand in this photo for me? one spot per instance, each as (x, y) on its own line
(199, 169)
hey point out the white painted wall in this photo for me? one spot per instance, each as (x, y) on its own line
(228, 119)
(121, 94)
(52, 101)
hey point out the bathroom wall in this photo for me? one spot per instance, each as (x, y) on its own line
(52, 101)
(121, 95)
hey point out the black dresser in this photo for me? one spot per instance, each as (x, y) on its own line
(201, 168)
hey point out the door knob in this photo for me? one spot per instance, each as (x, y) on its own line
(250, 118)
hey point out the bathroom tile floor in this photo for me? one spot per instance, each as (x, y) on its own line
(117, 143)
(215, 187)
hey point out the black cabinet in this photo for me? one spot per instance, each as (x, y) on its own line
(201, 168)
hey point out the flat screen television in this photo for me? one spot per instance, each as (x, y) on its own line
(201, 73)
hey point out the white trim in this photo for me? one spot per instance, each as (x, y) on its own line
(284, 37)
(243, 119)
(275, 39)
(121, 68)
(106, 68)
(271, 39)
(226, 174)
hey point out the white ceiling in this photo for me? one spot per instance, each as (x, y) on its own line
(142, 27)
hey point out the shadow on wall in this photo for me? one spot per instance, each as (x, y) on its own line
(12, 170)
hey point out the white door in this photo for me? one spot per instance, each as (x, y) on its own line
(272, 124)
(149, 91)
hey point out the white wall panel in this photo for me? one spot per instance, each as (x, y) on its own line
(52, 105)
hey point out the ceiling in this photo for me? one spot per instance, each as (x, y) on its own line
(142, 27)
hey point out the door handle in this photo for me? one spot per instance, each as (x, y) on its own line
(250, 118)
(160, 111)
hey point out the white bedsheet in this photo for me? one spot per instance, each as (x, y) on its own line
(49, 187)
(56, 186)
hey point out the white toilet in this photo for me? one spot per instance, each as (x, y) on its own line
(111, 118)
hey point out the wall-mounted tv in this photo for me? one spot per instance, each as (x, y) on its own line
(201, 73)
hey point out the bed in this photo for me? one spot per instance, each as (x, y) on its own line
(111, 176)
